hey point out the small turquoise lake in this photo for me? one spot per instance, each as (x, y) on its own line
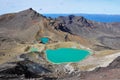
(65, 55)
(44, 40)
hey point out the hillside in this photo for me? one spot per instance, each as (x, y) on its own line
(22, 53)
(27, 26)
(108, 34)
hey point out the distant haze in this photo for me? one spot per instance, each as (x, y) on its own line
(62, 6)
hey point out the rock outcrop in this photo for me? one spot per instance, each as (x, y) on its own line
(30, 70)
(23, 70)
(110, 72)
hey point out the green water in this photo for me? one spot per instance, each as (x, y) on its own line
(44, 40)
(33, 49)
(65, 55)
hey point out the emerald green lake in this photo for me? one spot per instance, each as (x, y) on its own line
(65, 55)
(44, 40)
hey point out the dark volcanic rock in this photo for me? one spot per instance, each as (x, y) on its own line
(115, 63)
(72, 24)
(110, 72)
(24, 69)
(80, 26)
(32, 67)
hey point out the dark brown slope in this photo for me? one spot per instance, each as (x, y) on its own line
(106, 33)
(111, 72)
(21, 26)
(80, 26)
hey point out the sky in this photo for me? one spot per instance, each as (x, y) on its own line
(62, 6)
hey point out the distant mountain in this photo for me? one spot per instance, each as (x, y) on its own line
(107, 34)
(94, 17)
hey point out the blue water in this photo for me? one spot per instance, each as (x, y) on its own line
(44, 40)
(65, 55)
(94, 17)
